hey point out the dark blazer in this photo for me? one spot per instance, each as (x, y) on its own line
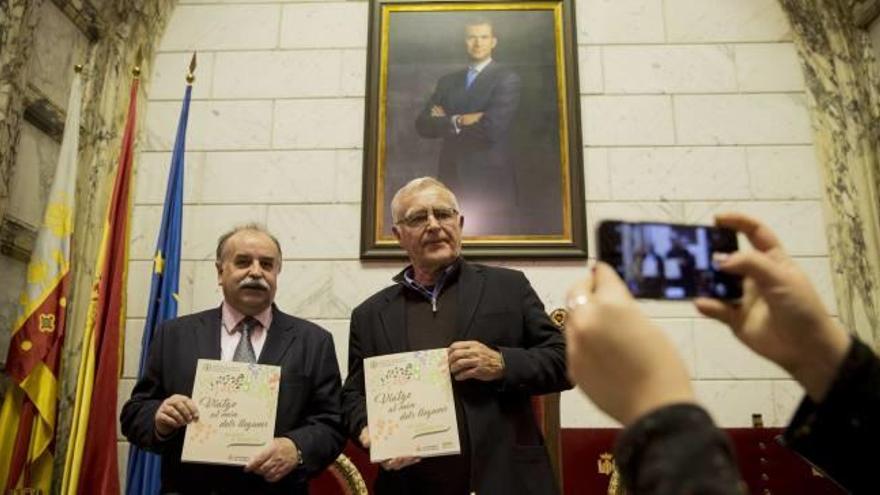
(308, 401)
(499, 308)
(479, 155)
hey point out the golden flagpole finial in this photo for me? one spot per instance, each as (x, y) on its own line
(191, 75)
(78, 68)
(136, 72)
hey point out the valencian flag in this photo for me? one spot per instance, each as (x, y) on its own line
(91, 465)
(143, 474)
(27, 420)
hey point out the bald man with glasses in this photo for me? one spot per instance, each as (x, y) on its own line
(502, 350)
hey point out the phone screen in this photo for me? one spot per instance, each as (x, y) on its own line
(669, 261)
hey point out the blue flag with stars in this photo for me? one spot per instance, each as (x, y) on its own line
(143, 476)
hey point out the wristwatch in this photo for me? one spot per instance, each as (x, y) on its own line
(299, 456)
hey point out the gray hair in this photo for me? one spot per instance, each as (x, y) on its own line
(250, 227)
(414, 186)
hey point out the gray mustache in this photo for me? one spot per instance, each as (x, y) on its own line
(253, 283)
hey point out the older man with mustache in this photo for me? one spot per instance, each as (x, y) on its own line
(502, 350)
(247, 327)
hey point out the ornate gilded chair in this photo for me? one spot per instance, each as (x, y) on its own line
(340, 478)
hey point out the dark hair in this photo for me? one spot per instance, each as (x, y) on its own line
(252, 227)
(477, 21)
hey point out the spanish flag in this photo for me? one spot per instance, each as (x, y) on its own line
(91, 464)
(27, 419)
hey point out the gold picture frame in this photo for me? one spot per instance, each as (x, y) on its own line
(506, 139)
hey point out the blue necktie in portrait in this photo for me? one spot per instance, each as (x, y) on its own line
(471, 75)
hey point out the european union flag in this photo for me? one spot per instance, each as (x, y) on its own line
(144, 476)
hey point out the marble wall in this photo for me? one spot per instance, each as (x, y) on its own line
(688, 108)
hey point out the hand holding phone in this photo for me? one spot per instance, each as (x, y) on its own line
(669, 261)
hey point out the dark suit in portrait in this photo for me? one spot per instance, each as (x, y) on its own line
(308, 401)
(473, 115)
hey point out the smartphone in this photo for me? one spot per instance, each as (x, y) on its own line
(669, 261)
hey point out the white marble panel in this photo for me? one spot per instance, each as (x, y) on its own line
(122, 461)
(134, 332)
(551, 280)
(212, 125)
(627, 120)
(169, 76)
(768, 67)
(578, 411)
(629, 211)
(328, 123)
(784, 172)
(597, 176)
(681, 332)
(819, 272)
(725, 20)
(151, 177)
(271, 177)
(206, 291)
(317, 231)
(590, 70)
(279, 74)
(306, 290)
(787, 395)
(222, 27)
(678, 173)
(800, 225)
(325, 25)
(732, 402)
(203, 225)
(619, 21)
(145, 223)
(339, 330)
(720, 355)
(138, 286)
(742, 119)
(354, 281)
(354, 72)
(669, 69)
(349, 171)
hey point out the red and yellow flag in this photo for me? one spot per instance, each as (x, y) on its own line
(27, 419)
(91, 464)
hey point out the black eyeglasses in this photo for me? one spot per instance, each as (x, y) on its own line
(419, 219)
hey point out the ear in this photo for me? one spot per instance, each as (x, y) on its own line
(461, 221)
(494, 42)
(219, 267)
(396, 232)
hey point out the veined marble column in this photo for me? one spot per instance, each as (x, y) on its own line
(842, 81)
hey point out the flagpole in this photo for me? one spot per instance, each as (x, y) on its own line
(143, 474)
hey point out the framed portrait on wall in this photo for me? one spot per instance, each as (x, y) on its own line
(482, 96)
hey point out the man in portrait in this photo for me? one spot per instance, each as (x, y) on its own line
(247, 327)
(472, 111)
(502, 349)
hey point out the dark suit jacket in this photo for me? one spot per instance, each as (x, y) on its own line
(308, 401)
(499, 308)
(479, 155)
